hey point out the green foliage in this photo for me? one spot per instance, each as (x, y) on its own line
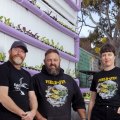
(107, 12)
(7, 21)
(37, 67)
(87, 95)
(23, 29)
(72, 73)
(1, 18)
(95, 37)
(2, 56)
(108, 22)
(61, 48)
(24, 64)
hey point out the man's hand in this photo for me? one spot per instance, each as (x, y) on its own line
(118, 111)
(22, 114)
(28, 116)
(41, 118)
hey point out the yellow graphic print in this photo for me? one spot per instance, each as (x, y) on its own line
(56, 95)
(107, 78)
(107, 87)
(51, 82)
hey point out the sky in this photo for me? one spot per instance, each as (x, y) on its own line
(85, 30)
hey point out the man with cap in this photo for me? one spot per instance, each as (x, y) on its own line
(17, 97)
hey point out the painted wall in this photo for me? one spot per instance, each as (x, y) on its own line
(19, 14)
(41, 22)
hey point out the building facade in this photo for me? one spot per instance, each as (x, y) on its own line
(41, 24)
(87, 65)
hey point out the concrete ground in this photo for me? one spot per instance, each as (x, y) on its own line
(75, 116)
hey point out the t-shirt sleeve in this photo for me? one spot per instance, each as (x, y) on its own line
(35, 86)
(93, 84)
(34, 82)
(77, 100)
(30, 81)
(31, 85)
(4, 78)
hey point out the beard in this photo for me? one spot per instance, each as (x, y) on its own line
(17, 60)
(53, 71)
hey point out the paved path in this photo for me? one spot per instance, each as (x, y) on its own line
(75, 115)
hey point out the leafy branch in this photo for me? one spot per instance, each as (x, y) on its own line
(2, 56)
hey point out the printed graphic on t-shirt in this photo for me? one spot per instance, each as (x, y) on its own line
(107, 89)
(19, 86)
(56, 95)
(55, 82)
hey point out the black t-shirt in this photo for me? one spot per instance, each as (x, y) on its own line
(55, 95)
(19, 83)
(107, 86)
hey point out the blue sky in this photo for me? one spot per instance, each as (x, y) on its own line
(85, 30)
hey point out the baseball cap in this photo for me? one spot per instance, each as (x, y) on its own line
(19, 44)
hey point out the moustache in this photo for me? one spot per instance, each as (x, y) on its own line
(18, 56)
(52, 65)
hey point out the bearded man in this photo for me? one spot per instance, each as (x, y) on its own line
(17, 97)
(56, 91)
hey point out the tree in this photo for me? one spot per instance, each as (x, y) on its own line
(108, 26)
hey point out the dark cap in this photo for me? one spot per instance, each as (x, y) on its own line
(19, 44)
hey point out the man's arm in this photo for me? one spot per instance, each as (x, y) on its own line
(8, 103)
(33, 102)
(39, 116)
(91, 104)
(33, 106)
(82, 114)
